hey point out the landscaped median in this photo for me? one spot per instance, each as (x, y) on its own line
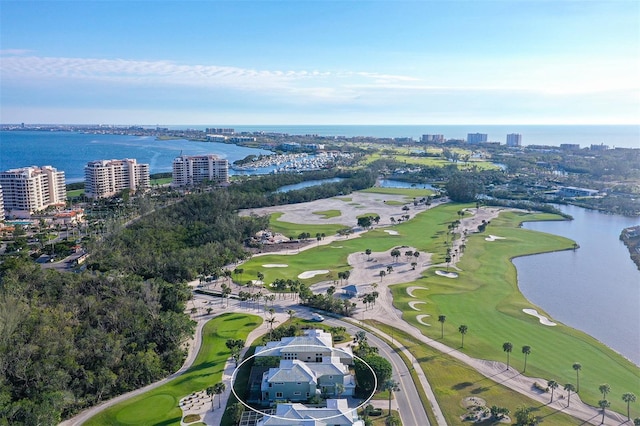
(160, 405)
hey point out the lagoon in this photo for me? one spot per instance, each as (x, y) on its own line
(595, 288)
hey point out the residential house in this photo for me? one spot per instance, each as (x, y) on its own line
(336, 413)
(313, 346)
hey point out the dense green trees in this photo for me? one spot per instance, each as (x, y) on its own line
(69, 341)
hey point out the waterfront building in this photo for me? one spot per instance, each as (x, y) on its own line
(196, 169)
(107, 178)
(477, 137)
(570, 146)
(29, 190)
(514, 139)
(1, 206)
(432, 138)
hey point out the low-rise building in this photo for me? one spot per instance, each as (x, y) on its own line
(336, 413)
(313, 346)
(294, 380)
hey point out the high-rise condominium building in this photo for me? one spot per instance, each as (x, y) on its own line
(106, 178)
(31, 189)
(476, 137)
(514, 139)
(432, 138)
(1, 206)
(193, 170)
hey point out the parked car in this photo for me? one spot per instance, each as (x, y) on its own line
(317, 317)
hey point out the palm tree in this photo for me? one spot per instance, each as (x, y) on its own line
(507, 347)
(628, 397)
(553, 385)
(577, 366)
(389, 269)
(604, 390)
(210, 393)
(463, 330)
(218, 389)
(391, 386)
(526, 350)
(368, 253)
(441, 320)
(382, 274)
(271, 320)
(569, 388)
(604, 404)
(291, 313)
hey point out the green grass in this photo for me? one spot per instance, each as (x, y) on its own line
(407, 192)
(452, 381)
(289, 229)
(160, 405)
(75, 193)
(485, 297)
(161, 181)
(328, 214)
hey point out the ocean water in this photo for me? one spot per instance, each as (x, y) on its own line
(621, 136)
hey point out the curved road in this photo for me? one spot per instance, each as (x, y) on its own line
(407, 399)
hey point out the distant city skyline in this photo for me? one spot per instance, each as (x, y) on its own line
(320, 62)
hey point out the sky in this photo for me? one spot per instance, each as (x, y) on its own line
(320, 62)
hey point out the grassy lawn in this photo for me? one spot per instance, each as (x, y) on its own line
(162, 181)
(75, 193)
(485, 297)
(160, 405)
(328, 214)
(452, 381)
(410, 193)
(294, 229)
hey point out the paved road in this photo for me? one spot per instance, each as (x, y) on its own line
(408, 401)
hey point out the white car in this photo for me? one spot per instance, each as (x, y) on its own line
(317, 317)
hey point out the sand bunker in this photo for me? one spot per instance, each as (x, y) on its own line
(257, 282)
(419, 319)
(543, 320)
(275, 265)
(447, 274)
(390, 232)
(493, 238)
(413, 304)
(410, 290)
(311, 274)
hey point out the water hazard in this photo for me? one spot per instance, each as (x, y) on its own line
(596, 288)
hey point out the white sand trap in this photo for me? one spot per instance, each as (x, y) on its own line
(413, 304)
(275, 265)
(390, 232)
(311, 274)
(257, 282)
(419, 319)
(543, 320)
(493, 238)
(447, 274)
(411, 289)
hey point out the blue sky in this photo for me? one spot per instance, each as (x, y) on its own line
(320, 62)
